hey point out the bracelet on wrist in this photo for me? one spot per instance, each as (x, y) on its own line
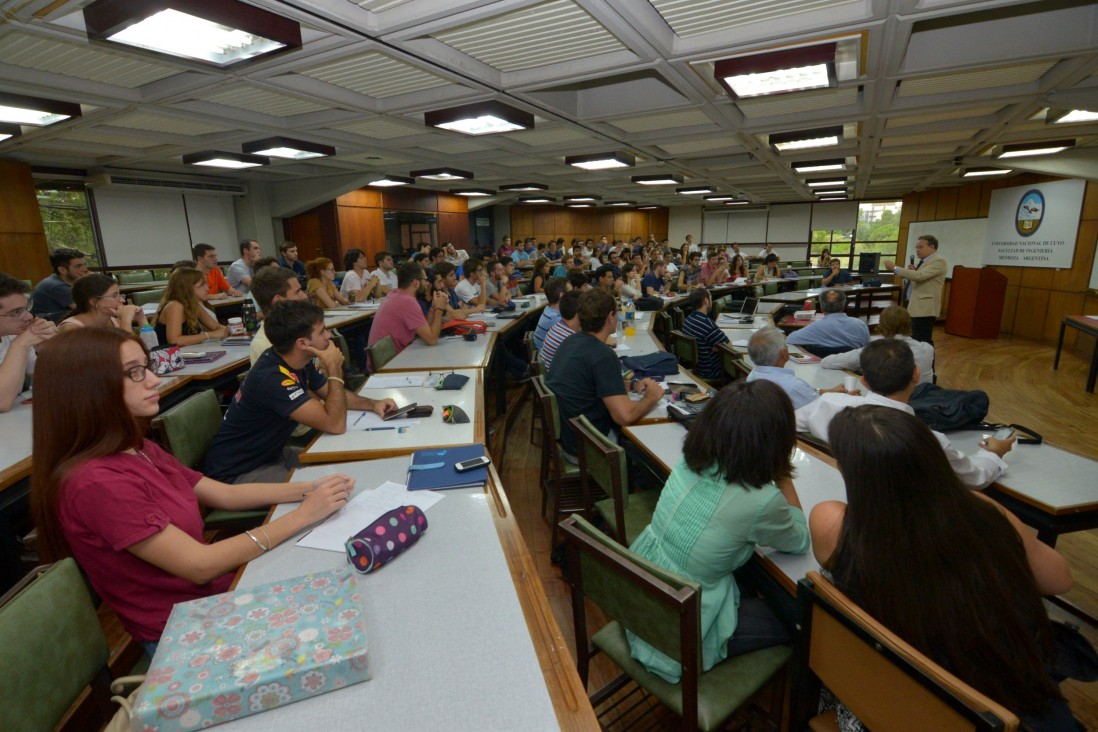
(251, 536)
(336, 378)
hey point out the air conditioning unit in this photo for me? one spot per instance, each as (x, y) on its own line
(167, 185)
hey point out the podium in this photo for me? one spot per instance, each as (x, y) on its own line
(976, 297)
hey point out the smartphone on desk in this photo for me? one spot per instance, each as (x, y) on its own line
(471, 464)
(1003, 433)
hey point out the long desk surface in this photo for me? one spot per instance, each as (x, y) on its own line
(457, 618)
(235, 359)
(451, 352)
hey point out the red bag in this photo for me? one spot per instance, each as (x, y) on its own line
(464, 327)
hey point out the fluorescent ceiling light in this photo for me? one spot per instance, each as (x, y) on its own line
(832, 198)
(287, 148)
(720, 197)
(523, 187)
(778, 72)
(18, 109)
(1035, 148)
(472, 192)
(581, 198)
(694, 190)
(601, 161)
(1075, 115)
(9, 131)
(805, 139)
(387, 181)
(664, 179)
(480, 118)
(229, 160)
(620, 203)
(978, 172)
(819, 166)
(829, 191)
(579, 205)
(736, 203)
(222, 33)
(646, 208)
(442, 174)
(536, 199)
(825, 182)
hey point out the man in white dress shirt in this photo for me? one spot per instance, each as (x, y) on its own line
(385, 272)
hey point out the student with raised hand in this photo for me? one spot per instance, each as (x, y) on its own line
(322, 289)
(181, 318)
(948, 570)
(125, 509)
(20, 332)
(97, 302)
(732, 490)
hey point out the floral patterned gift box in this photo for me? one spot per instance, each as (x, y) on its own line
(248, 651)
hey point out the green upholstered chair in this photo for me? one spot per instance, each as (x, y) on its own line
(561, 488)
(144, 297)
(381, 353)
(134, 276)
(602, 462)
(678, 317)
(353, 382)
(732, 362)
(664, 609)
(533, 357)
(685, 348)
(186, 431)
(662, 325)
(52, 647)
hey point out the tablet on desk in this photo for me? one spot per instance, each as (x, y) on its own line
(399, 412)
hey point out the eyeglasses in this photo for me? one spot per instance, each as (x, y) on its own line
(137, 373)
(18, 313)
(115, 296)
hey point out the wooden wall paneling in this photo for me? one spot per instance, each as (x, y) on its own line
(1077, 278)
(1029, 318)
(410, 199)
(522, 221)
(928, 205)
(947, 204)
(1010, 306)
(985, 199)
(24, 251)
(361, 197)
(303, 230)
(1059, 305)
(25, 256)
(455, 227)
(1039, 277)
(604, 224)
(361, 228)
(1013, 274)
(453, 204)
(329, 233)
(968, 202)
(659, 222)
(1090, 202)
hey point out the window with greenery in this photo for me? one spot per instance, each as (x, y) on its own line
(836, 241)
(878, 231)
(67, 218)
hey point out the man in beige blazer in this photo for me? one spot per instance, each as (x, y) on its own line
(927, 279)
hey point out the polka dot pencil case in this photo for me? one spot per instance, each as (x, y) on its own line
(385, 539)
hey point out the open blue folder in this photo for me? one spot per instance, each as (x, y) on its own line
(434, 469)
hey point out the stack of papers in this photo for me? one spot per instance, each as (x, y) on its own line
(361, 511)
(398, 381)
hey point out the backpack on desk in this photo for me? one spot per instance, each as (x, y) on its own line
(945, 410)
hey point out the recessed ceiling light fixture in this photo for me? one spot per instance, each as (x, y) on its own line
(694, 190)
(720, 197)
(218, 32)
(388, 181)
(1035, 148)
(581, 198)
(981, 172)
(736, 203)
(819, 166)
(664, 179)
(832, 198)
(512, 187)
(778, 72)
(579, 205)
(818, 182)
(806, 139)
(620, 203)
(602, 161)
(1069, 116)
(646, 208)
(442, 174)
(536, 199)
(472, 192)
(229, 160)
(480, 118)
(9, 131)
(23, 110)
(288, 148)
(829, 191)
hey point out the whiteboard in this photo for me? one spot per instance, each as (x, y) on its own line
(960, 241)
(212, 220)
(791, 223)
(746, 227)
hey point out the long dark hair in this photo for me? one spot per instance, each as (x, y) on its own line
(940, 567)
(79, 413)
(748, 431)
(90, 287)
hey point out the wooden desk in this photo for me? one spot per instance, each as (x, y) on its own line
(235, 358)
(1086, 325)
(430, 432)
(451, 352)
(15, 448)
(857, 292)
(460, 633)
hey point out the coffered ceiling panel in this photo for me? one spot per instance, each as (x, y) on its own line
(262, 100)
(809, 101)
(973, 80)
(655, 122)
(692, 17)
(162, 123)
(80, 61)
(375, 75)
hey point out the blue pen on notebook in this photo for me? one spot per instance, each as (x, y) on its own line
(359, 419)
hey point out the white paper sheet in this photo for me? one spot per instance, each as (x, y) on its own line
(621, 348)
(383, 381)
(361, 511)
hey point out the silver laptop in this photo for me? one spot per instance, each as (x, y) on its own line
(746, 313)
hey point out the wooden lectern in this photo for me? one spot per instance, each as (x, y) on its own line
(975, 302)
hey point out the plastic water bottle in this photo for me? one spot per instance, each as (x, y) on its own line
(630, 310)
(148, 336)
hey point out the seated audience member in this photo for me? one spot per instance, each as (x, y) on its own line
(269, 286)
(472, 288)
(282, 390)
(577, 280)
(554, 289)
(445, 282)
(689, 272)
(737, 269)
(714, 271)
(732, 489)
(266, 262)
(97, 302)
(125, 509)
(505, 249)
(613, 261)
(699, 326)
(553, 253)
(890, 375)
(20, 332)
(825, 258)
(53, 296)
(564, 326)
(895, 323)
(652, 284)
(630, 281)
(605, 278)
(205, 261)
(385, 273)
(400, 315)
(357, 286)
(768, 353)
(498, 293)
(181, 318)
(766, 251)
(769, 269)
(567, 263)
(837, 275)
(288, 258)
(454, 255)
(322, 289)
(242, 270)
(538, 275)
(586, 375)
(835, 332)
(949, 571)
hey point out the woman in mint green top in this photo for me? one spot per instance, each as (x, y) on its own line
(731, 491)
